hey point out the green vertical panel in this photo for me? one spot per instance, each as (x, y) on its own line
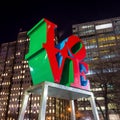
(37, 35)
(40, 68)
(67, 74)
(76, 47)
(37, 57)
(71, 73)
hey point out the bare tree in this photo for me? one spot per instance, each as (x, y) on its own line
(106, 76)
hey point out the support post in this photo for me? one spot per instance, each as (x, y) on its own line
(46, 89)
(94, 108)
(72, 106)
(43, 102)
(24, 105)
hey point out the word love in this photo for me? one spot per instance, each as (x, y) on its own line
(61, 63)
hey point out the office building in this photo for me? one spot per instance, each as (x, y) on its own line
(15, 78)
(102, 42)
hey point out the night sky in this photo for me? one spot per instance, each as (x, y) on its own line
(24, 15)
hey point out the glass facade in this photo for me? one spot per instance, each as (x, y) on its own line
(102, 42)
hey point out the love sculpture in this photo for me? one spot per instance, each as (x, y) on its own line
(57, 69)
(59, 63)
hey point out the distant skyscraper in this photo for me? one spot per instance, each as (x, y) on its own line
(102, 41)
(15, 78)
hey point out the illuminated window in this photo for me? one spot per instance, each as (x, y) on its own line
(88, 108)
(102, 39)
(100, 98)
(92, 41)
(114, 116)
(87, 26)
(111, 38)
(91, 46)
(103, 26)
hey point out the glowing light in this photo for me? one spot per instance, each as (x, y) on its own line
(103, 26)
(69, 109)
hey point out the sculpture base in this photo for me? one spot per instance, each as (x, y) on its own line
(46, 89)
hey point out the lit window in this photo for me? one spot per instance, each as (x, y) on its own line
(103, 26)
(87, 26)
(100, 98)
